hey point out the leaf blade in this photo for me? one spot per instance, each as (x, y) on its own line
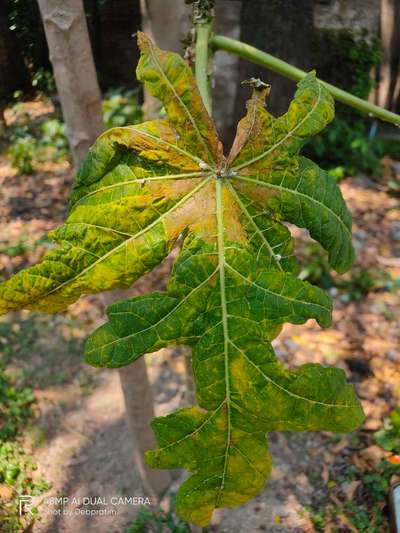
(167, 77)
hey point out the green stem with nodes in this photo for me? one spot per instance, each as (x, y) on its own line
(203, 32)
(202, 21)
(285, 69)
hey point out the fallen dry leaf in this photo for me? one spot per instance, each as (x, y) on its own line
(6, 492)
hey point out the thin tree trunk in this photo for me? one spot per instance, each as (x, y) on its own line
(71, 56)
(139, 404)
(226, 70)
(166, 22)
(389, 86)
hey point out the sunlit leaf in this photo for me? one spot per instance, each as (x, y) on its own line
(233, 284)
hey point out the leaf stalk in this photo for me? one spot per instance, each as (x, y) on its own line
(203, 25)
(270, 62)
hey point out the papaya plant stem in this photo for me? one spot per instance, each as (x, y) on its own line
(203, 34)
(270, 62)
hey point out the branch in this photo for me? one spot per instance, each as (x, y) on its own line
(285, 69)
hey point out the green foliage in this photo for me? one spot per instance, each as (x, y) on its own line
(52, 143)
(346, 58)
(25, 21)
(388, 437)
(158, 521)
(233, 284)
(30, 142)
(16, 466)
(361, 282)
(15, 407)
(17, 472)
(365, 510)
(22, 153)
(14, 250)
(314, 266)
(43, 81)
(121, 108)
(315, 269)
(346, 148)
(46, 140)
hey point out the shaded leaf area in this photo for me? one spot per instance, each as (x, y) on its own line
(236, 371)
(233, 285)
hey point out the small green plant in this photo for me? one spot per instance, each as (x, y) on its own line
(17, 473)
(314, 266)
(346, 148)
(53, 142)
(22, 153)
(365, 509)
(16, 465)
(15, 407)
(388, 437)
(361, 282)
(30, 141)
(121, 108)
(43, 81)
(158, 521)
(14, 250)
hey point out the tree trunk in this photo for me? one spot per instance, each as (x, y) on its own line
(139, 408)
(166, 22)
(226, 70)
(283, 28)
(138, 399)
(139, 404)
(389, 86)
(71, 56)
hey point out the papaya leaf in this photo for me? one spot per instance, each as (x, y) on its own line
(233, 284)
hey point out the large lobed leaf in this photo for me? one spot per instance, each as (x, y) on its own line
(232, 287)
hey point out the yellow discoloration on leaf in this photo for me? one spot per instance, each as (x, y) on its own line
(240, 375)
(233, 285)
(234, 230)
(261, 195)
(169, 79)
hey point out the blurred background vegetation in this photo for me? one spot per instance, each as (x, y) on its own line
(348, 58)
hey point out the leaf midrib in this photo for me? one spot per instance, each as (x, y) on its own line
(124, 243)
(296, 193)
(256, 228)
(138, 180)
(224, 313)
(279, 295)
(287, 136)
(186, 110)
(286, 391)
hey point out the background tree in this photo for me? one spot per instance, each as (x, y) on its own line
(283, 28)
(389, 86)
(74, 71)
